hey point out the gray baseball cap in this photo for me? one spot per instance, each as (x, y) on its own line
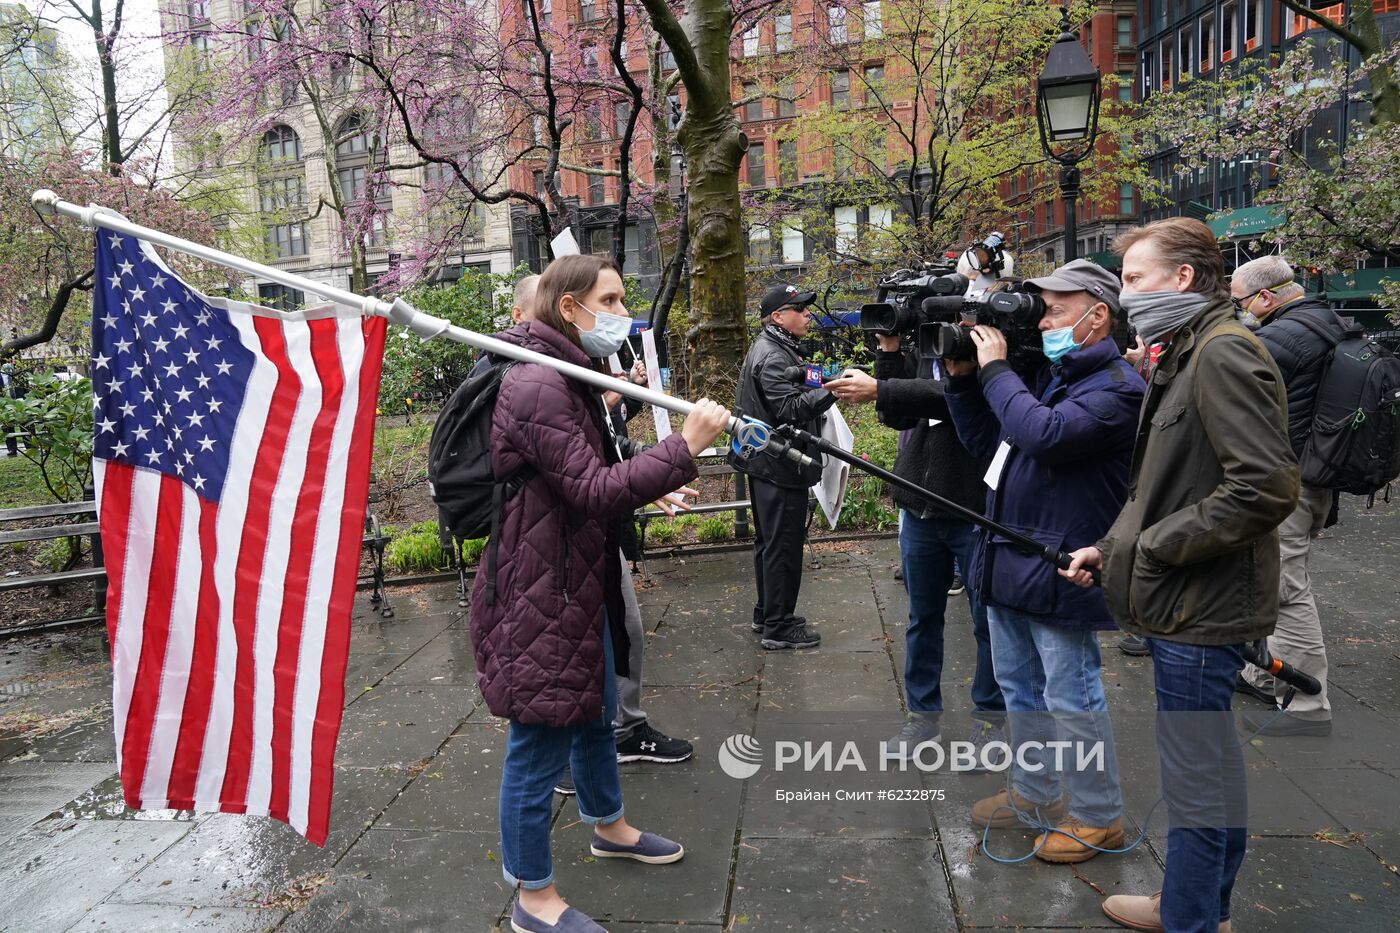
(1081, 275)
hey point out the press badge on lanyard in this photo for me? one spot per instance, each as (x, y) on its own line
(993, 477)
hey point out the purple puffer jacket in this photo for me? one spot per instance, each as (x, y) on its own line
(539, 646)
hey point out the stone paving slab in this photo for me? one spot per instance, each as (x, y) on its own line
(164, 918)
(857, 885)
(57, 871)
(394, 880)
(30, 789)
(701, 812)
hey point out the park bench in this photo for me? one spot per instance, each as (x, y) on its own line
(79, 519)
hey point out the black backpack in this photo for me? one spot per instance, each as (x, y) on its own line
(1354, 442)
(467, 492)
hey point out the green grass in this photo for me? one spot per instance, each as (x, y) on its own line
(21, 484)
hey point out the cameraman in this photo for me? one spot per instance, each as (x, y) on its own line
(779, 487)
(909, 396)
(1060, 450)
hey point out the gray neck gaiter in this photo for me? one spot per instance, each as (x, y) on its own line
(1156, 314)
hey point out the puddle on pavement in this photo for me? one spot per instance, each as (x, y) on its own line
(104, 802)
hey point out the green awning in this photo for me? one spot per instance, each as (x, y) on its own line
(1106, 259)
(1362, 283)
(1245, 221)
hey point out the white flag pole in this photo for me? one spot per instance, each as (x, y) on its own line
(751, 434)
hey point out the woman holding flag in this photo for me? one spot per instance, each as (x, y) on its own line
(548, 645)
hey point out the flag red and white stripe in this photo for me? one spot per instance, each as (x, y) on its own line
(229, 619)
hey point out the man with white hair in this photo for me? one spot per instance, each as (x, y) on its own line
(1299, 333)
(523, 298)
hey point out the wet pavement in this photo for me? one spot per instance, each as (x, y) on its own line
(414, 845)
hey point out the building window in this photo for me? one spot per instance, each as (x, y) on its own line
(599, 241)
(1149, 72)
(597, 185)
(281, 144)
(787, 103)
(286, 240)
(588, 10)
(847, 228)
(874, 83)
(795, 247)
(753, 109)
(1125, 200)
(1168, 59)
(1125, 32)
(1206, 43)
(758, 170)
(354, 144)
(872, 20)
(668, 59)
(590, 61)
(1125, 86)
(1229, 37)
(760, 249)
(841, 89)
(280, 297)
(284, 193)
(782, 33)
(787, 161)
(199, 45)
(621, 114)
(673, 111)
(1186, 61)
(546, 12)
(751, 41)
(836, 24)
(1251, 24)
(197, 10)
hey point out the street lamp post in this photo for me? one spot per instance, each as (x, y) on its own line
(1067, 111)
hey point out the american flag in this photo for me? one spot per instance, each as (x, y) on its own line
(231, 458)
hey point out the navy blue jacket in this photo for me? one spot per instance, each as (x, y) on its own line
(1065, 479)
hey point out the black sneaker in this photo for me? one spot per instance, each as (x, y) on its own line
(797, 636)
(918, 729)
(1249, 690)
(647, 744)
(1134, 646)
(958, 587)
(565, 784)
(757, 624)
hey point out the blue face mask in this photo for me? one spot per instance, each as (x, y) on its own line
(1060, 341)
(607, 336)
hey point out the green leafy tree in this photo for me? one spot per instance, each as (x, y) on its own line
(55, 419)
(919, 144)
(1338, 204)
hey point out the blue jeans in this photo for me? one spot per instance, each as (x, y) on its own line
(535, 758)
(1203, 781)
(1051, 680)
(928, 548)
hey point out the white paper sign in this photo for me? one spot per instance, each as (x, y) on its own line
(993, 477)
(659, 414)
(564, 244)
(830, 490)
(615, 365)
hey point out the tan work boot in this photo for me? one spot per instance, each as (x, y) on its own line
(1063, 849)
(1137, 912)
(995, 811)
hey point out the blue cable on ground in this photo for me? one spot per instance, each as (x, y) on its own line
(1033, 820)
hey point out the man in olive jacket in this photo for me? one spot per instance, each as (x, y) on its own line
(1192, 562)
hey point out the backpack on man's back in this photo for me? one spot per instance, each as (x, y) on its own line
(1353, 444)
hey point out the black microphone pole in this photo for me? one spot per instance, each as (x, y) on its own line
(1255, 653)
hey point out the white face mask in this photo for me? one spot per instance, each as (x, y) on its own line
(607, 336)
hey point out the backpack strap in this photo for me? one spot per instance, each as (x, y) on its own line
(500, 492)
(1332, 339)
